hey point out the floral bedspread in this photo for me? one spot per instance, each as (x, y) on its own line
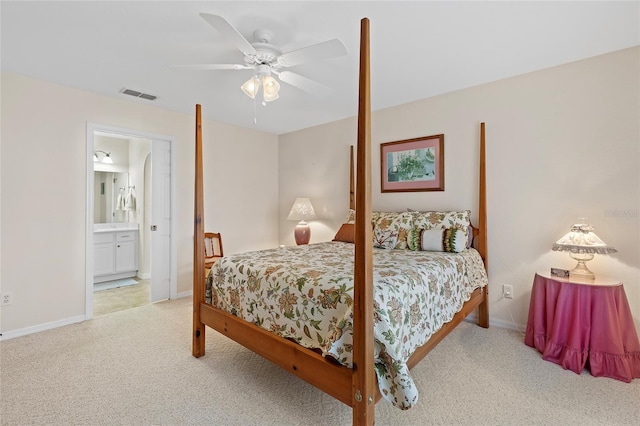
(305, 293)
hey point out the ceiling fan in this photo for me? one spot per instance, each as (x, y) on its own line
(267, 60)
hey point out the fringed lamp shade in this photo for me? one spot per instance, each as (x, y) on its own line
(302, 210)
(582, 243)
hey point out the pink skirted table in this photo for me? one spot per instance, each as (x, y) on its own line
(578, 324)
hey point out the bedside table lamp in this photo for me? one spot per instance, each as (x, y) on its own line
(302, 210)
(582, 243)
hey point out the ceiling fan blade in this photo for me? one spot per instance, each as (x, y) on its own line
(229, 32)
(304, 83)
(213, 67)
(325, 50)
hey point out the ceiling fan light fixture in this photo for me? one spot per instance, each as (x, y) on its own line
(269, 98)
(251, 87)
(266, 59)
(270, 88)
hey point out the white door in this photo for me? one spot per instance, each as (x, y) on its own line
(160, 220)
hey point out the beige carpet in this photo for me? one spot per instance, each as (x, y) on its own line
(134, 367)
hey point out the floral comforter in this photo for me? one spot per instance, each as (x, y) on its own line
(305, 293)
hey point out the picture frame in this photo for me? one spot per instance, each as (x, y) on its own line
(560, 273)
(412, 164)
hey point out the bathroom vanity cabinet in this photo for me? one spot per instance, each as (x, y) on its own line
(115, 254)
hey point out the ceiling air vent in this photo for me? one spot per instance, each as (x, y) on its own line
(138, 94)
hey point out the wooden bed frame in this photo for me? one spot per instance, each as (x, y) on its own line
(357, 386)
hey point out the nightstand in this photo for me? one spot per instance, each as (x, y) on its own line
(578, 323)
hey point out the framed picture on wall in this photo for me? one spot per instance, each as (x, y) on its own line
(412, 165)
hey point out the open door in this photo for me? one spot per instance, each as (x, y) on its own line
(163, 251)
(160, 220)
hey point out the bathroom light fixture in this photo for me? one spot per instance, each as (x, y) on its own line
(105, 159)
(262, 77)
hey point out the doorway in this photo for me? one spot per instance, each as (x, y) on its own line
(120, 245)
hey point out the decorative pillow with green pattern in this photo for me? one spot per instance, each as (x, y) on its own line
(413, 239)
(443, 220)
(448, 240)
(385, 238)
(398, 223)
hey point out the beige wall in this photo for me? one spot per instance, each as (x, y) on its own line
(562, 143)
(43, 193)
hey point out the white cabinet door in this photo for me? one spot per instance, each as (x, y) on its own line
(103, 259)
(125, 256)
(126, 252)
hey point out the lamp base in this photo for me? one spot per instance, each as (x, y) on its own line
(302, 233)
(581, 272)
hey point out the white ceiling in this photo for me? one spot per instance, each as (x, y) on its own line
(418, 49)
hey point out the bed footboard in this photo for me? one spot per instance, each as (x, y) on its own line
(321, 372)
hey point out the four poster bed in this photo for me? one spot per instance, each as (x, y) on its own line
(313, 310)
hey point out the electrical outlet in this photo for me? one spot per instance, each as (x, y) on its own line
(6, 299)
(507, 291)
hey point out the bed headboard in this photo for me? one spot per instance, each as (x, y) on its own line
(479, 231)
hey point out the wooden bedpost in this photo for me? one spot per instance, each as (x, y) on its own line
(483, 308)
(364, 382)
(197, 346)
(352, 189)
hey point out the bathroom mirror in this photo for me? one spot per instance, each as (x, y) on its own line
(110, 188)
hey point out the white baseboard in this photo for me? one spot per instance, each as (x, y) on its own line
(473, 318)
(55, 324)
(61, 323)
(41, 327)
(508, 324)
(184, 294)
(113, 277)
(146, 276)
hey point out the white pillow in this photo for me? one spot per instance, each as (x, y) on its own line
(450, 240)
